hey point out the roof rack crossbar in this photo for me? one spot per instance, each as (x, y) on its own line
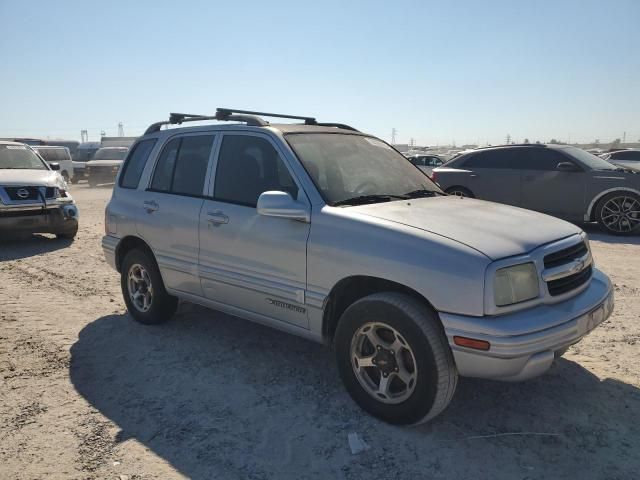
(247, 116)
(231, 111)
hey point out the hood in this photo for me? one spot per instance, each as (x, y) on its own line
(104, 163)
(496, 230)
(36, 178)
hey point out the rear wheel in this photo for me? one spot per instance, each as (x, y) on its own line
(460, 192)
(143, 289)
(619, 213)
(394, 358)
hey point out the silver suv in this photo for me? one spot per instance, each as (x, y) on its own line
(322, 231)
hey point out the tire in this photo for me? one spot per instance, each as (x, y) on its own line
(161, 305)
(618, 213)
(460, 192)
(65, 175)
(68, 235)
(416, 326)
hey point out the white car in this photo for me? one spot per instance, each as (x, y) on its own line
(59, 155)
(33, 195)
(624, 158)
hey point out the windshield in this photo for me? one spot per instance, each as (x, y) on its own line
(20, 157)
(345, 167)
(590, 160)
(110, 154)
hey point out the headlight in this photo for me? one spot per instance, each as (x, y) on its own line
(515, 284)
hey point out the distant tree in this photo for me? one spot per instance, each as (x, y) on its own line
(538, 142)
(597, 141)
(616, 143)
(553, 141)
(526, 140)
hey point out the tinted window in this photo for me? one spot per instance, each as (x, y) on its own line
(542, 159)
(191, 165)
(133, 167)
(247, 167)
(625, 156)
(164, 168)
(182, 166)
(505, 158)
(47, 153)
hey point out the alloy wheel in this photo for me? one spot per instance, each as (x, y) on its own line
(621, 214)
(140, 287)
(383, 363)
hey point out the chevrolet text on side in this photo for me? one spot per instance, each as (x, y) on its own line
(328, 233)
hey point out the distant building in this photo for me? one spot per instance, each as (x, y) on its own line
(401, 147)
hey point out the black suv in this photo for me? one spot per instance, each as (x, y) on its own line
(559, 180)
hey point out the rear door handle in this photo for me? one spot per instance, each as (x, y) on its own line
(217, 218)
(151, 206)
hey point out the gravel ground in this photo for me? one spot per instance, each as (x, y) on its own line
(88, 393)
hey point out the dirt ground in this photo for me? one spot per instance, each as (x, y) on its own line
(88, 393)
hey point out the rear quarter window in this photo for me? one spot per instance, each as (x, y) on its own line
(135, 163)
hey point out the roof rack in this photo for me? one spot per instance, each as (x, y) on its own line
(249, 117)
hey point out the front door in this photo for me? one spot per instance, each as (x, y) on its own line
(249, 261)
(548, 190)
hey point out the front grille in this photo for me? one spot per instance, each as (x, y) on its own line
(32, 193)
(565, 255)
(566, 284)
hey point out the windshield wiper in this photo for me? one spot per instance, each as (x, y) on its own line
(423, 193)
(364, 199)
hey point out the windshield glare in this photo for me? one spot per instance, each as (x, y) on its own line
(345, 166)
(590, 160)
(110, 154)
(20, 157)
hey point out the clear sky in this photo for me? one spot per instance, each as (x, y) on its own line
(469, 71)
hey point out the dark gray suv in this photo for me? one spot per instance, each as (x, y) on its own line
(559, 180)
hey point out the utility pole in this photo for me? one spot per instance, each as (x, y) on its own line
(624, 137)
(84, 136)
(508, 139)
(394, 132)
(120, 130)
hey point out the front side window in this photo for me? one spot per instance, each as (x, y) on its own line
(133, 167)
(182, 166)
(20, 157)
(344, 167)
(247, 167)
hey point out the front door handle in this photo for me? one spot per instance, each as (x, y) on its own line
(151, 206)
(217, 218)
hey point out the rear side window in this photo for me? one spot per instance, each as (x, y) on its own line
(491, 159)
(247, 167)
(48, 154)
(182, 166)
(626, 156)
(133, 167)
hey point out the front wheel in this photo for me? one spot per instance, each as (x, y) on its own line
(618, 213)
(143, 289)
(394, 358)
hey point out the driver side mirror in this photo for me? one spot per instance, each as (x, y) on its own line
(567, 167)
(55, 166)
(282, 205)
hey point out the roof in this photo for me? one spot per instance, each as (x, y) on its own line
(9, 142)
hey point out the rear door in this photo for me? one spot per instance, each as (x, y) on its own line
(549, 190)
(250, 261)
(493, 175)
(169, 209)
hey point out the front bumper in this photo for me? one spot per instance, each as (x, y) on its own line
(59, 218)
(109, 246)
(523, 344)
